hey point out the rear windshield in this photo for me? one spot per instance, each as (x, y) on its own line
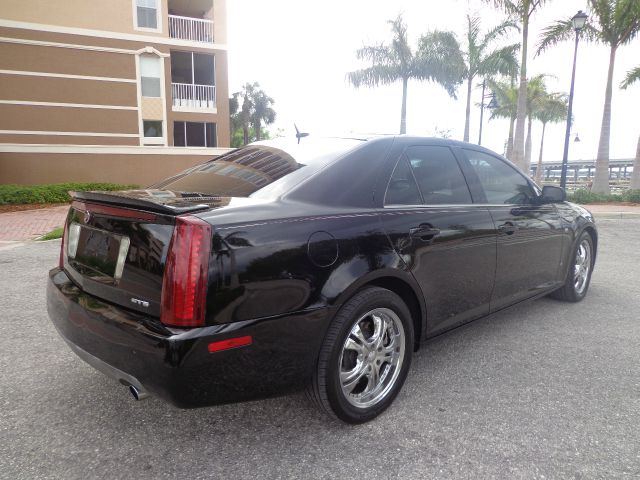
(263, 169)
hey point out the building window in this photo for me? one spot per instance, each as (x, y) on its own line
(152, 128)
(193, 81)
(150, 73)
(194, 134)
(147, 14)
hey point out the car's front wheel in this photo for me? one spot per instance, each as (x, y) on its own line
(579, 275)
(365, 356)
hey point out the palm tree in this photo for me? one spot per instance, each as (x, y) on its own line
(262, 112)
(632, 77)
(479, 61)
(613, 23)
(249, 108)
(552, 109)
(437, 59)
(506, 96)
(536, 94)
(520, 10)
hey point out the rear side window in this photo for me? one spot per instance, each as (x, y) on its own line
(502, 184)
(402, 189)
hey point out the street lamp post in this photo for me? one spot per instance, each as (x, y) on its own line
(579, 20)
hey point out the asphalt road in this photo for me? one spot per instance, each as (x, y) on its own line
(544, 390)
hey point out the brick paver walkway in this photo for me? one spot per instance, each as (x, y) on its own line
(30, 224)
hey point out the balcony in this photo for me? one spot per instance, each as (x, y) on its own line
(192, 97)
(191, 29)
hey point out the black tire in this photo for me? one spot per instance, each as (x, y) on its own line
(570, 292)
(367, 308)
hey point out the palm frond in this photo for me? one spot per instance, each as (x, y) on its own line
(510, 7)
(499, 31)
(552, 108)
(560, 31)
(374, 76)
(439, 59)
(506, 96)
(375, 54)
(631, 77)
(503, 61)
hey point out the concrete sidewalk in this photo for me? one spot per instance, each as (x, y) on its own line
(30, 224)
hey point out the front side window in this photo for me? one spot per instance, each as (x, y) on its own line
(147, 14)
(502, 184)
(150, 74)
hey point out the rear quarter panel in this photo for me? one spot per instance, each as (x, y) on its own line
(286, 265)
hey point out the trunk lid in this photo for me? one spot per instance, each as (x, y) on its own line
(116, 243)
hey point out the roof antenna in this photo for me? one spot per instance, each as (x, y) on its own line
(300, 134)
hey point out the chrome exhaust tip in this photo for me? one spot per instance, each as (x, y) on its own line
(138, 394)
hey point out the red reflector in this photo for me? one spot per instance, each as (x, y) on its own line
(230, 343)
(186, 273)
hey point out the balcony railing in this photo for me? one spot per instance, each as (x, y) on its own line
(193, 29)
(189, 96)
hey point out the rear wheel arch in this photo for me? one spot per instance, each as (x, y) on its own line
(409, 293)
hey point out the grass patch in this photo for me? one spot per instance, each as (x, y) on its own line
(53, 193)
(53, 234)
(585, 197)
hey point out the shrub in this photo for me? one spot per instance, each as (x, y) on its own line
(585, 196)
(631, 196)
(53, 193)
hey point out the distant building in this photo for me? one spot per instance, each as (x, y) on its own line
(120, 90)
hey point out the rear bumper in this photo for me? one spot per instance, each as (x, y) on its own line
(176, 364)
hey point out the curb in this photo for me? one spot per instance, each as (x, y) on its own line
(617, 215)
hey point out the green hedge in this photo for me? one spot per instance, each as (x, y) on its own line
(54, 193)
(585, 196)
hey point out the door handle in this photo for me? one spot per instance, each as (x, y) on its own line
(424, 232)
(507, 228)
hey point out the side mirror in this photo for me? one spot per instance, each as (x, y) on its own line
(552, 194)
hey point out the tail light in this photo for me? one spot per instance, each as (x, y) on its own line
(184, 285)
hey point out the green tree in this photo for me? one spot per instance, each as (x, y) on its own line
(506, 96)
(613, 23)
(481, 60)
(551, 109)
(263, 112)
(521, 11)
(632, 77)
(437, 59)
(249, 108)
(536, 95)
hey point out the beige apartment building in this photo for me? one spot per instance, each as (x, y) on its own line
(127, 91)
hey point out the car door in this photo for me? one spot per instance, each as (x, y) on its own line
(447, 243)
(530, 234)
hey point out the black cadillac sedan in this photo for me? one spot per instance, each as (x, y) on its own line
(318, 264)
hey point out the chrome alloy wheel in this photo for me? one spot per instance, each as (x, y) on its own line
(582, 266)
(371, 357)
